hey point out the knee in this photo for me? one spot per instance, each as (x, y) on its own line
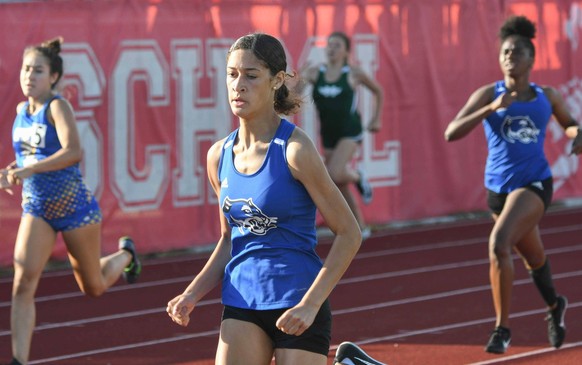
(499, 248)
(25, 282)
(92, 290)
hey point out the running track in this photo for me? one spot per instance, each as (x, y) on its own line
(412, 296)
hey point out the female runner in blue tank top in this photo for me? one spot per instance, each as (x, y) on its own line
(270, 180)
(54, 197)
(515, 114)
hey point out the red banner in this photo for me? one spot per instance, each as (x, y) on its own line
(146, 79)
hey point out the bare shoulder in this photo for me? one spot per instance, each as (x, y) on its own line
(310, 74)
(303, 157)
(214, 151)
(20, 106)
(551, 93)
(357, 71)
(484, 94)
(60, 105)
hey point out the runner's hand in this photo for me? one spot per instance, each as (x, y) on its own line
(179, 309)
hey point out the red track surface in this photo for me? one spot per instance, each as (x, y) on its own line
(412, 296)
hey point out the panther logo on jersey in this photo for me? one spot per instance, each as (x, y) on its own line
(247, 216)
(520, 129)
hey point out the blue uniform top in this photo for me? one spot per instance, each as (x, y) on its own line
(33, 137)
(515, 138)
(272, 218)
(56, 196)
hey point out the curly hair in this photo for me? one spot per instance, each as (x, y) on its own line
(520, 26)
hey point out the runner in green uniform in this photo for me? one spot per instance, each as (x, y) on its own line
(335, 95)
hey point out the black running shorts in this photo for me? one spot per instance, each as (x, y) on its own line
(316, 338)
(496, 201)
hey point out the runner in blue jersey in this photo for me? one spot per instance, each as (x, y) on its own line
(335, 85)
(515, 113)
(54, 197)
(270, 180)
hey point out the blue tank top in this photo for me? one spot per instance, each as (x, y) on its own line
(272, 218)
(53, 194)
(515, 139)
(34, 138)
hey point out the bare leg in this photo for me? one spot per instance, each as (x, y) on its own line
(337, 162)
(254, 347)
(294, 356)
(34, 244)
(93, 274)
(520, 216)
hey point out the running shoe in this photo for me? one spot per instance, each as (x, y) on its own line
(366, 233)
(348, 353)
(556, 325)
(14, 362)
(499, 340)
(364, 187)
(132, 271)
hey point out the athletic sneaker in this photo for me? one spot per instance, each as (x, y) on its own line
(132, 271)
(14, 362)
(349, 353)
(499, 340)
(366, 233)
(556, 325)
(364, 187)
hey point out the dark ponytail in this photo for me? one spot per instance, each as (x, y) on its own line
(51, 49)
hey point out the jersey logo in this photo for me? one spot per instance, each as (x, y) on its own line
(31, 137)
(329, 91)
(521, 129)
(247, 216)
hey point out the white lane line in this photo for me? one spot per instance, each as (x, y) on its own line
(392, 303)
(431, 330)
(125, 347)
(528, 354)
(351, 280)
(425, 247)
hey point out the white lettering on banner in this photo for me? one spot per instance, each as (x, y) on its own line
(84, 73)
(199, 118)
(566, 164)
(137, 189)
(573, 26)
(92, 142)
(382, 164)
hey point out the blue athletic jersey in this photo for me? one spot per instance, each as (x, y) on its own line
(272, 218)
(61, 197)
(515, 139)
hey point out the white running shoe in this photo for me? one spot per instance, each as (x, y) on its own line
(348, 353)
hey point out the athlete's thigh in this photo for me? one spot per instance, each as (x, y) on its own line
(84, 248)
(341, 155)
(34, 244)
(521, 213)
(295, 356)
(243, 343)
(531, 249)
